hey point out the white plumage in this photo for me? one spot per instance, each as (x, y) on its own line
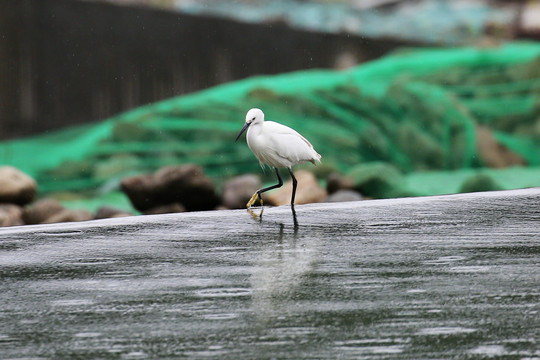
(276, 145)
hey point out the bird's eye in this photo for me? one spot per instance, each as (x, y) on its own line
(253, 119)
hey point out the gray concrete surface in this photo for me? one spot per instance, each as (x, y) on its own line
(419, 278)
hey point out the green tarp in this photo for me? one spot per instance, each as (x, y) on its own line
(418, 110)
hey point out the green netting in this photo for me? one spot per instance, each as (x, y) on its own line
(417, 110)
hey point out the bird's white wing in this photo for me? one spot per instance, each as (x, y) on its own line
(289, 145)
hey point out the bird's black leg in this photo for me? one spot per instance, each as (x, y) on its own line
(279, 184)
(294, 183)
(259, 192)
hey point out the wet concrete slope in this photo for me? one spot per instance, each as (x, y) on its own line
(435, 277)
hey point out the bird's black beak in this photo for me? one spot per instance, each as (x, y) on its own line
(246, 125)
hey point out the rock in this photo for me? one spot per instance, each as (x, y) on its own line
(185, 184)
(479, 182)
(336, 182)
(48, 211)
(106, 212)
(69, 215)
(16, 187)
(307, 191)
(140, 191)
(238, 190)
(166, 209)
(11, 215)
(41, 210)
(344, 195)
(379, 180)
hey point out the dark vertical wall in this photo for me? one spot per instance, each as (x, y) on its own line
(65, 62)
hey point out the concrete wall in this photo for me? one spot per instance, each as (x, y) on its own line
(65, 62)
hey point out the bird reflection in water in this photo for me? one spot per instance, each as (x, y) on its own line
(282, 269)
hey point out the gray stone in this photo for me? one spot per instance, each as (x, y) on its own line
(344, 195)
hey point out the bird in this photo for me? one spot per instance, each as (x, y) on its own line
(277, 146)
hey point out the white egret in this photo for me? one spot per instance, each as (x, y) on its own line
(278, 146)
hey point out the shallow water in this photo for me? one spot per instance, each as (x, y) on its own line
(440, 277)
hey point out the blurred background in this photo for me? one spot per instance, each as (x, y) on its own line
(401, 98)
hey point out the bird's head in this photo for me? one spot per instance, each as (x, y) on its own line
(253, 116)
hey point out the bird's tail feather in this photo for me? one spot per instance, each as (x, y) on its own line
(316, 159)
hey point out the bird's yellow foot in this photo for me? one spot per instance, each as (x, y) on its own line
(253, 200)
(255, 216)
